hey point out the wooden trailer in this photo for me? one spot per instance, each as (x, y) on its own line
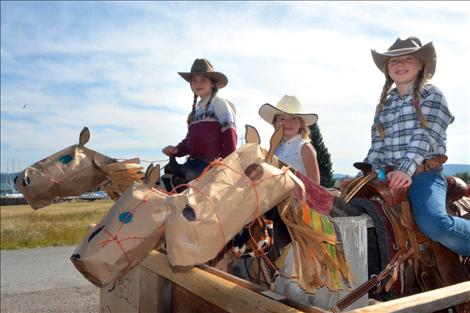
(153, 286)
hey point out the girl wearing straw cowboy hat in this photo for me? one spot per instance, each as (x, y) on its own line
(295, 148)
(409, 134)
(211, 123)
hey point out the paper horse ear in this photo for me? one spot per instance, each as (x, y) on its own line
(152, 175)
(251, 135)
(84, 136)
(274, 142)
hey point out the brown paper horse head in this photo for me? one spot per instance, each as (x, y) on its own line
(73, 171)
(69, 172)
(132, 227)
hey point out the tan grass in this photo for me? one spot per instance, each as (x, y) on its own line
(56, 225)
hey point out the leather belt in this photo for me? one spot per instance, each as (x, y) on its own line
(430, 164)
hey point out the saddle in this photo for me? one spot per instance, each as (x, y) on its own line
(432, 265)
(173, 176)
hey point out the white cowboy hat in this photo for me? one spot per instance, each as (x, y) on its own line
(412, 46)
(287, 105)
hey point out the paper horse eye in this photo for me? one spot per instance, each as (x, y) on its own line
(254, 171)
(126, 217)
(65, 159)
(188, 213)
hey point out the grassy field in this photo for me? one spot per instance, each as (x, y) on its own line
(55, 225)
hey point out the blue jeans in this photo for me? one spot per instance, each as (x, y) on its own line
(427, 195)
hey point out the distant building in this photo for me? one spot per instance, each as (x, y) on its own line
(7, 184)
(5, 188)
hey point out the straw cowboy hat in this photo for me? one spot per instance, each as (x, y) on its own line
(204, 67)
(287, 105)
(413, 46)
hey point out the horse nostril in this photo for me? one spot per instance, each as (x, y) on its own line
(188, 213)
(75, 256)
(254, 172)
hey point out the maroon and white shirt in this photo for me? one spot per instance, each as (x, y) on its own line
(211, 132)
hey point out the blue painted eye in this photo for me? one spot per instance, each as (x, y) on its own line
(65, 159)
(126, 217)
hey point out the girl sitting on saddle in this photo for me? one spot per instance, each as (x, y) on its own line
(295, 148)
(211, 123)
(409, 134)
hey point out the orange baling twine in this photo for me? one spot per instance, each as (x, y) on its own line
(215, 163)
(119, 241)
(114, 237)
(253, 184)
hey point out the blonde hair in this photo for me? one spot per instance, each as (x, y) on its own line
(304, 131)
(418, 85)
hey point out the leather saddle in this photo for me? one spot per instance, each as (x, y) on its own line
(173, 176)
(456, 187)
(433, 265)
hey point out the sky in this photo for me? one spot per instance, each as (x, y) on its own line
(112, 66)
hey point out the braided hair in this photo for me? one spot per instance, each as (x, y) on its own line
(380, 106)
(419, 83)
(190, 116)
(215, 89)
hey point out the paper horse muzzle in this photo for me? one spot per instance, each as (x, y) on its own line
(125, 235)
(71, 172)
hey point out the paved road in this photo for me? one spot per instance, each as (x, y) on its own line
(44, 280)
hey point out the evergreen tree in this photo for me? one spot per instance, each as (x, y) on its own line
(465, 176)
(323, 157)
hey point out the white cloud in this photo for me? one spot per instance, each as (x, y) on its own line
(116, 72)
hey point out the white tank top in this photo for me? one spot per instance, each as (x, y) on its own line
(289, 152)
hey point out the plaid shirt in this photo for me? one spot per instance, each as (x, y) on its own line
(406, 144)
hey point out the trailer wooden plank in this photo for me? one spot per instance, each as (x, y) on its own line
(261, 290)
(425, 302)
(224, 294)
(184, 301)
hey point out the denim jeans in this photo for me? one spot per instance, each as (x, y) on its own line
(427, 195)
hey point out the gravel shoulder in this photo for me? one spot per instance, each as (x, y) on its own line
(44, 280)
(57, 300)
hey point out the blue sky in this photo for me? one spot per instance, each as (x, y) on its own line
(112, 66)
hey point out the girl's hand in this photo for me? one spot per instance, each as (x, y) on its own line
(398, 179)
(170, 150)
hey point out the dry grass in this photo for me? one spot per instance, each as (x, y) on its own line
(55, 225)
